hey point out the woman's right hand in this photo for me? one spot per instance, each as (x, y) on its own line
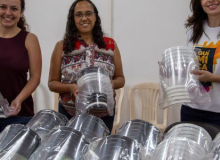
(74, 89)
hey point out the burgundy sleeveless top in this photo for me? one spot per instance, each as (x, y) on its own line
(14, 65)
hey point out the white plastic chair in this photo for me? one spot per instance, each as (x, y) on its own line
(119, 99)
(147, 94)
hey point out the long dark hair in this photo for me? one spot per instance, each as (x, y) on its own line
(71, 34)
(22, 22)
(196, 20)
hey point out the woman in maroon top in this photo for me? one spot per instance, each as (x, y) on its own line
(19, 53)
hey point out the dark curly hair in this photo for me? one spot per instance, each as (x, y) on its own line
(196, 20)
(22, 22)
(70, 36)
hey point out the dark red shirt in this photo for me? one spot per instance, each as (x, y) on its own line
(14, 65)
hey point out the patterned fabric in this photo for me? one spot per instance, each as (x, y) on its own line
(83, 57)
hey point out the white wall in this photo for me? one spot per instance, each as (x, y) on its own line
(143, 29)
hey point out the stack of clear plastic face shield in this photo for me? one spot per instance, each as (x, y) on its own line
(114, 147)
(177, 84)
(92, 127)
(179, 148)
(215, 153)
(62, 143)
(95, 91)
(143, 132)
(45, 120)
(184, 141)
(17, 142)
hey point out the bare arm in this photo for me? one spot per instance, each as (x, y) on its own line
(54, 81)
(215, 78)
(118, 80)
(35, 64)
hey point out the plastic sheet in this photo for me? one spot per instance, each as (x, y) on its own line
(92, 127)
(17, 142)
(95, 91)
(114, 147)
(143, 132)
(5, 109)
(179, 149)
(177, 84)
(63, 143)
(45, 120)
(191, 132)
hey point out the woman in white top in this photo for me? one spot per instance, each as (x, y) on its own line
(204, 33)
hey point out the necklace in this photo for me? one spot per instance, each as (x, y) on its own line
(90, 51)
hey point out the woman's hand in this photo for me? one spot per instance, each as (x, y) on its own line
(15, 107)
(74, 89)
(203, 76)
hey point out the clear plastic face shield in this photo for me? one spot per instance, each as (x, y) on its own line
(18, 142)
(184, 141)
(177, 84)
(45, 120)
(62, 143)
(95, 91)
(91, 126)
(5, 109)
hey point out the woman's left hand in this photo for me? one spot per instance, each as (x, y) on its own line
(15, 107)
